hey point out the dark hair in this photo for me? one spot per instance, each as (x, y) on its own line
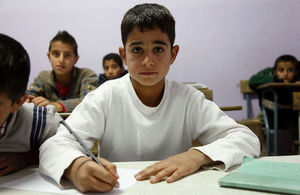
(148, 16)
(115, 57)
(65, 37)
(286, 58)
(14, 68)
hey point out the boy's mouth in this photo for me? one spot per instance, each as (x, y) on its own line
(148, 73)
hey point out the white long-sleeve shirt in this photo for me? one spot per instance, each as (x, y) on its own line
(128, 130)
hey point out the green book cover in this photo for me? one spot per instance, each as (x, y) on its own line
(265, 175)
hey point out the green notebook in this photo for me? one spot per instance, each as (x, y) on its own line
(264, 175)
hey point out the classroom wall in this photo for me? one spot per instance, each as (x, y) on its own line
(221, 42)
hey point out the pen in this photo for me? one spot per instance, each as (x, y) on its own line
(61, 121)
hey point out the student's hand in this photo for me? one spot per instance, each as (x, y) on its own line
(58, 107)
(30, 98)
(12, 161)
(88, 176)
(40, 101)
(174, 167)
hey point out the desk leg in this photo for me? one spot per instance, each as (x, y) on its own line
(267, 130)
(248, 105)
(275, 123)
(299, 132)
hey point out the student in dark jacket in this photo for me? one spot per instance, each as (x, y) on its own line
(285, 70)
(113, 68)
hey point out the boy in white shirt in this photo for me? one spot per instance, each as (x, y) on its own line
(142, 116)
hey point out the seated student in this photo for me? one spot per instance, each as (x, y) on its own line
(113, 68)
(285, 70)
(66, 85)
(23, 127)
(142, 116)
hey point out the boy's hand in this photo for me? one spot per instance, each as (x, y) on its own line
(30, 98)
(40, 101)
(174, 167)
(88, 176)
(11, 161)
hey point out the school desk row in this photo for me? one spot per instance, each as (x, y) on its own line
(202, 182)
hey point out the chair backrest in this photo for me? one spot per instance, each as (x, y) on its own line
(244, 87)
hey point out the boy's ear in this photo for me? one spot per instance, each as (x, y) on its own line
(174, 53)
(48, 55)
(18, 103)
(122, 54)
(77, 57)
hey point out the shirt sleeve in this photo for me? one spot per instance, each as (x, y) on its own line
(52, 123)
(59, 151)
(36, 88)
(262, 77)
(221, 137)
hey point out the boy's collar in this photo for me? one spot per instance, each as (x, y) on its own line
(3, 127)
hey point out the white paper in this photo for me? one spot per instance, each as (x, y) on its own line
(33, 181)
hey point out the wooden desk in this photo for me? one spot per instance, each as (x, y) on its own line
(64, 115)
(275, 89)
(201, 182)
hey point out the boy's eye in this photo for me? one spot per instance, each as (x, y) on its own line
(158, 50)
(114, 66)
(66, 55)
(55, 53)
(280, 70)
(137, 50)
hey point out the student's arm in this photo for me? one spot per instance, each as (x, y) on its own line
(62, 148)
(88, 176)
(175, 167)
(37, 88)
(13, 161)
(262, 77)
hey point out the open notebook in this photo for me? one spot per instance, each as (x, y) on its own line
(265, 175)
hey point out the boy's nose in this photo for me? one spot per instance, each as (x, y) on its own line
(148, 62)
(61, 58)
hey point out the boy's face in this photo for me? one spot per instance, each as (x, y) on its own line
(148, 56)
(6, 107)
(62, 58)
(112, 70)
(285, 71)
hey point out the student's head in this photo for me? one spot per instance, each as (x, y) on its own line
(63, 53)
(14, 74)
(148, 33)
(148, 16)
(285, 68)
(112, 66)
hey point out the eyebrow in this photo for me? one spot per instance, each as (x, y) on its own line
(140, 43)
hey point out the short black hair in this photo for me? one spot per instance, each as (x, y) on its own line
(14, 68)
(115, 57)
(65, 37)
(286, 58)
(148, 16)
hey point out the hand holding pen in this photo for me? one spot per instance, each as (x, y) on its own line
(88, 176)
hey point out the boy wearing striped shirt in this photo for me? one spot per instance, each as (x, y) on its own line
(23, 126)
